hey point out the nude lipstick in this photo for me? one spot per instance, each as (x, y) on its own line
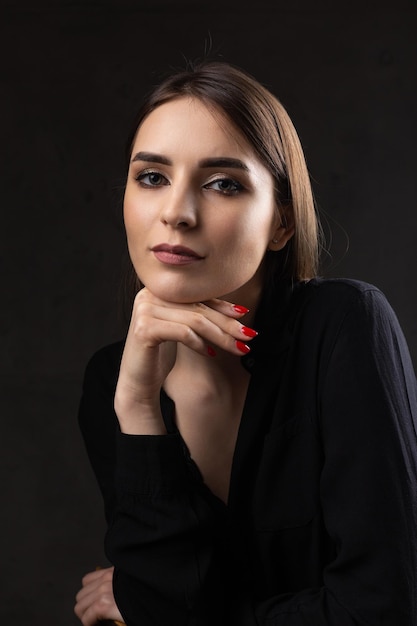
(175, 255)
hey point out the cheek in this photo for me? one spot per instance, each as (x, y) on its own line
(134, 219)
(127, 212)
(253, 231)
(241, 245)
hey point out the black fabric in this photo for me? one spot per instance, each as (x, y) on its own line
(320, 525)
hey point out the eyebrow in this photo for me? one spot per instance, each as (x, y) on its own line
(151, 157)
(224, 162)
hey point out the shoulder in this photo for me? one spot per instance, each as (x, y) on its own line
(341, 297)
(346, 289)
(351, 314)
(311, 313)
(327, 309)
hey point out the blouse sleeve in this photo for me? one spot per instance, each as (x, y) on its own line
(97, 420)
(367, 424)
(368, 407)
(163, 538)
(163, 535)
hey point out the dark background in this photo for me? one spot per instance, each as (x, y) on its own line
(71, 76)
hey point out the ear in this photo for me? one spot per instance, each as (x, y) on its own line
(283, 231)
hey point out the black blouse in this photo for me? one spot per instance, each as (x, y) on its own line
(320, 528)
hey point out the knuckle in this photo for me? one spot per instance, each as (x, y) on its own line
(140, 305)
(141, 327)
(103, 591)
(236, 328)
(101, 605)
(137, 301)
(188, 334)
(104, 605)
(198, 320)
(141, 295)
(143, 308)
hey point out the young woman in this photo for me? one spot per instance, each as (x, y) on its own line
(254, 437)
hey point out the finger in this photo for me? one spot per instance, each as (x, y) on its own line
(86, 595)
(197, 329)
(223, 306)
(218, 311)
(91, 582)
(103, 609)
(96, 603)
(201, 320)
(98, 612)
(153, 329)
(97, 573)
(236, 311)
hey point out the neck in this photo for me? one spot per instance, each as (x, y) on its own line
(219, 369)
(211, 374)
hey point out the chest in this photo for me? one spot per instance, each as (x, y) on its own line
(209, 424)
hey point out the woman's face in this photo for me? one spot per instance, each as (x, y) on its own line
(199, 207)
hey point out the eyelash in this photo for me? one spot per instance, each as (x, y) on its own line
(140, 178)
(236, 186)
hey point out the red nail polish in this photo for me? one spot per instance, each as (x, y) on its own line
(242, 347)
(240, 309)
(211, 351)
(248, 332)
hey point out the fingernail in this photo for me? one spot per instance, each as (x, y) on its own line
(211, 351)
(248, 332)
(242, 347)
(240, 309)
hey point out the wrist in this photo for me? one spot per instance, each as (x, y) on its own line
(139, 416)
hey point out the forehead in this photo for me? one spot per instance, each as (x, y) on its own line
(189, 121)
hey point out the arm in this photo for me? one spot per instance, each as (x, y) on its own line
(369, 418)
(157, 513)
(98, 421)
(164, 537)
(367, 426)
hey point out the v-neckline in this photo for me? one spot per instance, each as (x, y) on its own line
(265, 363)
(168, 414)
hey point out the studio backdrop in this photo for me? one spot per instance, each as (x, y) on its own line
(72, 77)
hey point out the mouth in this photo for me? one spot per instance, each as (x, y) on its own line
(175, 255)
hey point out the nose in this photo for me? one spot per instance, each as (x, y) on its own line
(179, 209)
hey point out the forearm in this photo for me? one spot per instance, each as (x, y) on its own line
(138, 416)
(159, 540)
(171, 566)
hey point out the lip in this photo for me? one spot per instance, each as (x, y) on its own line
(175, 255)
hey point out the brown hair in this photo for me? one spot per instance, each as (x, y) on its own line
(266, 126)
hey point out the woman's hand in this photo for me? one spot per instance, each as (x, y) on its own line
(95, 600)
(155, 330)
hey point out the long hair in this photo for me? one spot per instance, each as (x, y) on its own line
(264, 123)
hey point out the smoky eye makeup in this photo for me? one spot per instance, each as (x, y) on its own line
(150, 177)
(224, 184)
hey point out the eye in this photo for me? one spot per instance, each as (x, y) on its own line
(150, 178)
(227, 186)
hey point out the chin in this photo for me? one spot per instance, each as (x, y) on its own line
(178, 295)
(185, 294)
